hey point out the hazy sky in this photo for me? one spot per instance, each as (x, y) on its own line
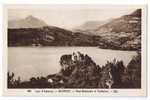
(69, 17)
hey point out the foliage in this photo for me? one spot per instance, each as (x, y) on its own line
(84, 73)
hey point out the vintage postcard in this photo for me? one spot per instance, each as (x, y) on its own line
(74, 50)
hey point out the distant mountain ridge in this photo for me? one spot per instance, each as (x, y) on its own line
(89, 26)
(123, 33)
(126, 23)
(28, 22)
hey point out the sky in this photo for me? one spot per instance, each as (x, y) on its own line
(68, 17)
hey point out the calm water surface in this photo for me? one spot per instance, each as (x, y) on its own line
(28, 62)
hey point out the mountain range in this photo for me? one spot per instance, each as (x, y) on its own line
(120, 33)
(28, 22)
(124, 31)
(125, 23)
(89, 26)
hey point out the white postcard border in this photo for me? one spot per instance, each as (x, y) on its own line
(78, 92)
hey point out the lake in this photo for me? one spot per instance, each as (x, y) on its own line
(28, 62)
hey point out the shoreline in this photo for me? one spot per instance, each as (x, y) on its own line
(73, 46)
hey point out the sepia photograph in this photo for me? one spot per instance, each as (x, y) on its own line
(75, 47)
